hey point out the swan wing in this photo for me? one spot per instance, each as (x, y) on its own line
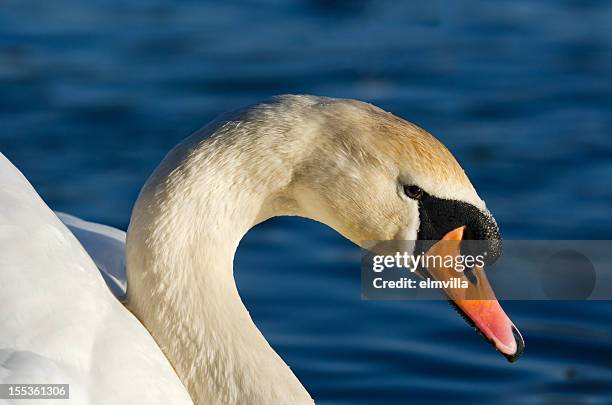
(106, 246)
(59, 323)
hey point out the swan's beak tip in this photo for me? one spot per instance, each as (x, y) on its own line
(520, 346)
(493, 324)
(478, 304)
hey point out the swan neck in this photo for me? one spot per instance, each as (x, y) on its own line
(184, 231)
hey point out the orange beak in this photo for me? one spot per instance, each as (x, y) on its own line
(476, 303)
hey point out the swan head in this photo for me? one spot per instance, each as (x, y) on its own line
(375, 177)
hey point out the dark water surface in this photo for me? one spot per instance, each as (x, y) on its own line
(93, 94)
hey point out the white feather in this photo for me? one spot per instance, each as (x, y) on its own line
(106, 246)
(59, 323)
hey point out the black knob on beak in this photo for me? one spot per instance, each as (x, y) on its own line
(439, 216)
(483, 238)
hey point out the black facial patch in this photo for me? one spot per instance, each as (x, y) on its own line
(439, 216)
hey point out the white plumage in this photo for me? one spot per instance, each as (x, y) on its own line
(59, 323)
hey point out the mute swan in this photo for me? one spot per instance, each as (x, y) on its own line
(348, 164)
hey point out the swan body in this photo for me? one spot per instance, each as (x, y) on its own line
(59, 323)
(106, 247)
(340, 162)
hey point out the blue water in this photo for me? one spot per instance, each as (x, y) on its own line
(93, 93)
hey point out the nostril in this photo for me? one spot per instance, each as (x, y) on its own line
(470, 275)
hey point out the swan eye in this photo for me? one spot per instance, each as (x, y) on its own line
(413, 192)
